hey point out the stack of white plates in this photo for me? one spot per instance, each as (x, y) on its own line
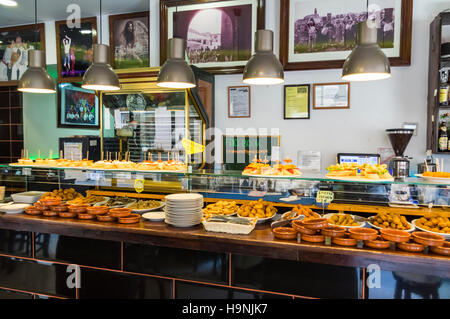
(184, 210)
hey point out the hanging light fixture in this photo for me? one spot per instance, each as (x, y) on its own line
(36, 78)
(100, 76)
(263, 68)
(175, 72)
(367, 62)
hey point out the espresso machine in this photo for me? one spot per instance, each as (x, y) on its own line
(399, 138)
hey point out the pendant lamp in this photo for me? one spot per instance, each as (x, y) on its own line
(367, 62)
(100, 76)
(36, 78)
(175, 72)
(263, 68)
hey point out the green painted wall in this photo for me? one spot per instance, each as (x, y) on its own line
(40, 124)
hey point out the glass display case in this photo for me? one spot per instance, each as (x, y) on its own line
(411, 193)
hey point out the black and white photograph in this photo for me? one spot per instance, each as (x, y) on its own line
(15, 42)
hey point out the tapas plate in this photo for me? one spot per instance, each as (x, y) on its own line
(360, 223)
(271, 176)
(155, 216)
(446, 236)
(12, 208)
(141, 211)
(410, 229)
(359, 179)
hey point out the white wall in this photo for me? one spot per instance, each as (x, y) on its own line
(375, 106)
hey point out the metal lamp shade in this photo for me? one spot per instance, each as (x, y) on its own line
(100, 76)
(175, 72)
(367, 62)
(36, 78)
(263, 68)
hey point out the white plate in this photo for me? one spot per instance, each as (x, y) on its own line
(446, 236)
(27, 197)
(181, 225)
(13, 208)
(412, 227)
(141, 211)
(437, 180)
(155, 216)
(361, 224)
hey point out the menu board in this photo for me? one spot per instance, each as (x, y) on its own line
(238, 150)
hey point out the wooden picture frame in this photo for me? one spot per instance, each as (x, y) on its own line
(62, 100)
(342, 103)
(293, 99)
(27, 35)
(403, 58)
(87, 54)
(249, 93)
(168, 7)
(134, 17)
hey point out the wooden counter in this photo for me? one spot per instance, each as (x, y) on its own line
(260, 242)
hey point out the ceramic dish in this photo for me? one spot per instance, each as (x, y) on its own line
(78, 209)
(411, 226)
(344, 241)
(32, 211)
(442, 250)
(333, 231)
(50, 201)
(285, 233)
(13, 208)
(411, 247)
(313, 238)
(49, 213)
(360, 223)
(363, 233)
(59, 208)
(41, 207)
(106, 218)
(97, 210)
(438, 180)
(428, 239)
(446, 236)
(316, 223)
(299, 227)
(378, 243)
(130, 219)
(395, 235)
(27, 197)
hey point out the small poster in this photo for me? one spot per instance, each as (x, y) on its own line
(239, 101)
(296, 101)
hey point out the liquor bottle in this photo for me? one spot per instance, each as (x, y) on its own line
(444, 88)
(443, 138)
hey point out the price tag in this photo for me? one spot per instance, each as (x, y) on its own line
(139, 185)
(324, 197)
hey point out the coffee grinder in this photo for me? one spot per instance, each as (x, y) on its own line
(399, 138)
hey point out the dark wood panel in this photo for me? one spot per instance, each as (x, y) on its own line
(258, 243)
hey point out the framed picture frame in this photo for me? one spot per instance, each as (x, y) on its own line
(297, 101)
(220, 35)
(331, 96)
(15, 42)
(77, 107)
(239, 102)
(74, 48)
(321, 34)
(129, 40)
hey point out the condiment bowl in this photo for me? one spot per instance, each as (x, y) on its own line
(298, 226)
(344, 241)
(120, 212)
(130, 219)
(428, 239)
(395, 235)
(378, 243)
(333, 231)
(442, 250)
(97, 210)
(411, 247)
(315, 223)
(285, 233)
(363, 233)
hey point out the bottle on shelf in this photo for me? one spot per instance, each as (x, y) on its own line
(443, 138)
(444, 88)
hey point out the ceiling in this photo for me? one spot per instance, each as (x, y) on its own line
(48, 10)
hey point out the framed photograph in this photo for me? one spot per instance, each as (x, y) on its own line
(77, 107)
(74, 48)
(320, 34)
(15, 42)
(220, 35)
(297, 101)
(331, 96)
(129, 40)
(239, 101)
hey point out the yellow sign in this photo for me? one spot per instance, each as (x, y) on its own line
(324, 197)
(191, 147)
(139, 185)
(296, 102)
